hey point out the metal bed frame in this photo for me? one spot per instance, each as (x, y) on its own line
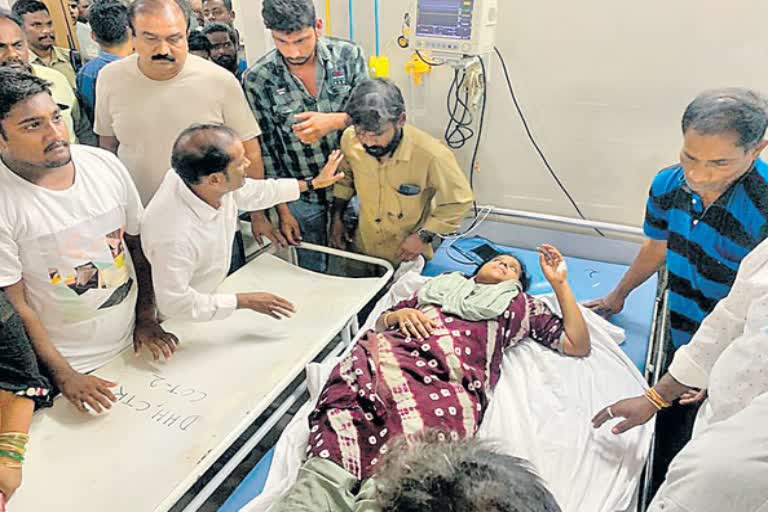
(654, 358)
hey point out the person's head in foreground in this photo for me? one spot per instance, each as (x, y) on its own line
(723, 135)
(33, 135)
(295, 28)
(377, 110)
(210, 158)
(430, 475)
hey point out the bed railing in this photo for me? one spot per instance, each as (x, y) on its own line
(568, 221)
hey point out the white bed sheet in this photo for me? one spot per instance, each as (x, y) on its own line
(541, 411)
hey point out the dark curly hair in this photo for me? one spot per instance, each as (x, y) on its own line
(288, 15)
(438, 475)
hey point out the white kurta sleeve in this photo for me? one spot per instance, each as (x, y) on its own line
(173, 265)
(693, 362)
(262, 194)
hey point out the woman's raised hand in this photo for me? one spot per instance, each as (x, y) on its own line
(552, 265)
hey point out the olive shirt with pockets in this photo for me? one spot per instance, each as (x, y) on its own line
(420, 187)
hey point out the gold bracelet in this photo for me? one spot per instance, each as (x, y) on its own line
(659, 398)
(655, 398)
(657, 406)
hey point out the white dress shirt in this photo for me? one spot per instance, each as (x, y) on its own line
(189, 243)
(728, 355)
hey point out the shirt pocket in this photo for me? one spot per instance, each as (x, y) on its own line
(407, 208)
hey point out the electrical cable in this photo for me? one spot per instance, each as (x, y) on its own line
(533, 140)
(473, 163)
(428, 63)
(459, 130)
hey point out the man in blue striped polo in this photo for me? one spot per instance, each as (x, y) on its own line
(702, 217)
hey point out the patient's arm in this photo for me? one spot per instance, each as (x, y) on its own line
(577, 342)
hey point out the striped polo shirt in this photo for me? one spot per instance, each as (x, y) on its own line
(704, 245)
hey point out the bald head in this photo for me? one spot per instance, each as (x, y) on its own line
(202, 150)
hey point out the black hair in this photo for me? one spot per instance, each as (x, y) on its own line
(197, 42)
(374, 103)
(10, 15)
(733, 110)
(22, 7)
(138, 6)
(432, 474)
(109, 22)
(288, 16)
(16, 87)
(525, 276)
(198, 152)
(227, 4)
(216, 27)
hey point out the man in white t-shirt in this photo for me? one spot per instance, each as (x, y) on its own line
(189, 224)
(143, 102)
(70, 256)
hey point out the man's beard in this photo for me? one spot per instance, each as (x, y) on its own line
(227, 62)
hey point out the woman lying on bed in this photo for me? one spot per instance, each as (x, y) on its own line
(431, 365)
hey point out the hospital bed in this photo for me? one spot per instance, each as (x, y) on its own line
(174, 421)
(595, 263)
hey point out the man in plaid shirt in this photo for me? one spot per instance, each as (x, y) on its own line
(298, 93)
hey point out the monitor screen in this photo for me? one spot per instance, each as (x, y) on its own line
(451, 19)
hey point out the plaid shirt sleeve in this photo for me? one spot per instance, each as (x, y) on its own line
(359, 68)
(261, 105)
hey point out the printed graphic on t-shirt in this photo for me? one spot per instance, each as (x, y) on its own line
(87, 266)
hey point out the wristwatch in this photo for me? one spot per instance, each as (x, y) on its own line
(310, 185)
(426, 236)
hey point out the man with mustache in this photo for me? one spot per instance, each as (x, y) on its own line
(143, 101)
(298, 92)
(223, 39)
(410, 186)
(61, 206)
(14, 54)
(38, 26)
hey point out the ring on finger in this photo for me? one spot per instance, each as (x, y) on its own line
(610, 412)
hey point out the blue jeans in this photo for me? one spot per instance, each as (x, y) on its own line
(313, 221)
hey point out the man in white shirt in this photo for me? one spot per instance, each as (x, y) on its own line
(725, 465)
(71, 261)
(189, 224)
(144, 101)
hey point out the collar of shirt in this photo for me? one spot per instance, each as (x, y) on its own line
(720, 202)
(200, 208)
(59, 55)
(106, 56)
(324, 58)
(403, 153)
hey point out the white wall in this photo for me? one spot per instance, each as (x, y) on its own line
(602, 82)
